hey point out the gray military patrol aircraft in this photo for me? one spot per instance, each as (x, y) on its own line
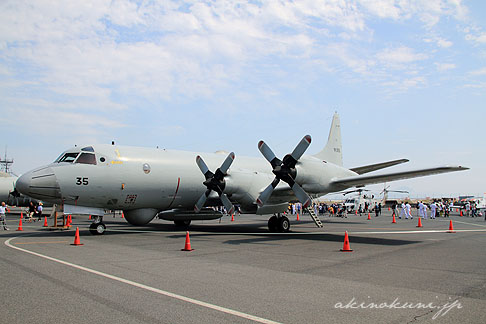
(177, 185)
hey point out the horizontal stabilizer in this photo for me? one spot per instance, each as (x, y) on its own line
(377, 166)
(362, 180)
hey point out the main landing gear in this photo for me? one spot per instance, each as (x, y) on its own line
(97, 227)
(278, 223)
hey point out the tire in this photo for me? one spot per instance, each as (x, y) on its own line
(284, 224)
(273, 224)
(97, 228)
(181, 223)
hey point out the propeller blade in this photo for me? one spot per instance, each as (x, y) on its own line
(267, 152)
(200, 203)
(227, 204)
(227, 162)
(202, 165)
(262, 199)
(301, 195)
(301, 147)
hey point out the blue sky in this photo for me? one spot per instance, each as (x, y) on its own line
(408, 79)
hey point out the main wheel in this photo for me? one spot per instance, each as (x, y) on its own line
(97, 228)
(283, 224)
(182, 222)
(273, 224)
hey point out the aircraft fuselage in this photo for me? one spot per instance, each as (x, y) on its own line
(133, 177)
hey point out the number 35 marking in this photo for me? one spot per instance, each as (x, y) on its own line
(81, 181)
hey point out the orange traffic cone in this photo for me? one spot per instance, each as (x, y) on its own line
(419, 222)
(346, 247)
(21, 215)
(298, 217)
(369, 216)
(20, 225)
(45, 222)
(389, 209)
(68, 220)
(451, 228)
(461, 212)
(123, 216)
(394, 220)
(89, 217)
(232, 217)
(187, 246)
(76, 238)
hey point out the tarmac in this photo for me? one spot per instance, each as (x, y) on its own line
(238, 272)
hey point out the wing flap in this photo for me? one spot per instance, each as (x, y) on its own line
(362, 180)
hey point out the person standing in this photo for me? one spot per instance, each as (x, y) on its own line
(31, 212)
(409, 211)
(3, 219)
(403, 211)
(421, 210)
(433, 210)
(425, 211)
(39, 211)
(468, 209)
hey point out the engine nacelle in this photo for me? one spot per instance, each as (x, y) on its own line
(139, 217)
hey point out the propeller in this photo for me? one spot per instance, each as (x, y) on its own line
(215, 182)
(284, 170)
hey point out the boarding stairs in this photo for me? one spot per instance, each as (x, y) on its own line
(314, 216)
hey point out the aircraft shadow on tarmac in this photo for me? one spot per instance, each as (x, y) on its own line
(259, 231)
(323, 238)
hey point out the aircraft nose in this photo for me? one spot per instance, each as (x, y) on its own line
(23, 183)
(39, 184)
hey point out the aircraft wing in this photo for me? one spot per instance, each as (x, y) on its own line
(362, 180)
(377, 166)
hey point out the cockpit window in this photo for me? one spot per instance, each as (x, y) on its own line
(68, 157)
(88, 149)
(86, 158)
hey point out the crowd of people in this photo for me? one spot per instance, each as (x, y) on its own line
(401, 209)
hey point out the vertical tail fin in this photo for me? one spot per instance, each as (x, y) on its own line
(333, 152)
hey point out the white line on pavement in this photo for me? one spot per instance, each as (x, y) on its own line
(142, 286)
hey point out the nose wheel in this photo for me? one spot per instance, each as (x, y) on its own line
(97, 227)
(278, 224)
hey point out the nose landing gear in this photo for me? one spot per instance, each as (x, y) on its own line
(97, 227)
